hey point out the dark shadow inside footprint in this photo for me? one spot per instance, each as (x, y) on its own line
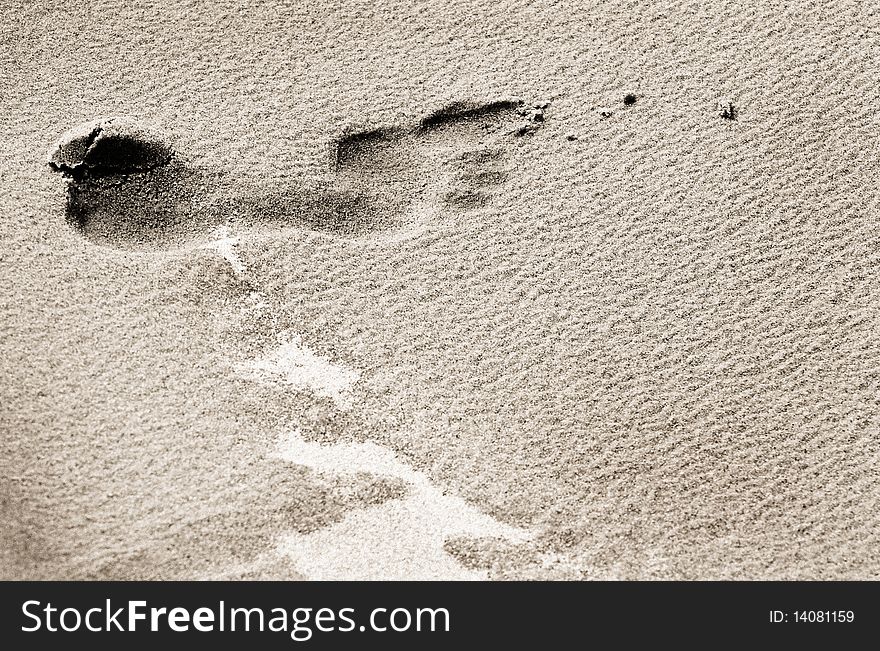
(110, 145)
(374, 149)
(160, 208)
(459, 112)
(123, 153)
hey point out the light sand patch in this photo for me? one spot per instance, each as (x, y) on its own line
(293, 363)
(398, 540)
(224, 242)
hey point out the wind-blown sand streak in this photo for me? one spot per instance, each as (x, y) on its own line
(397, 540)
(294, 363)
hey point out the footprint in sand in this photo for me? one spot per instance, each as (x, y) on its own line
(455, 157)
(127, 189)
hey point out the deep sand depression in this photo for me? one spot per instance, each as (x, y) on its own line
(418, 295)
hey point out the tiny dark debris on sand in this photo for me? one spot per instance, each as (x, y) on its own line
(726, 109)
(534, 113)
(629, 99)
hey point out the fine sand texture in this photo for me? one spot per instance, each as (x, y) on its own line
(441, 289)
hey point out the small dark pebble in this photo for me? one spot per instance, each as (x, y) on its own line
(629, 99)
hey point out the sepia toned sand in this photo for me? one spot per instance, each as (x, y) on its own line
(419, 295)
